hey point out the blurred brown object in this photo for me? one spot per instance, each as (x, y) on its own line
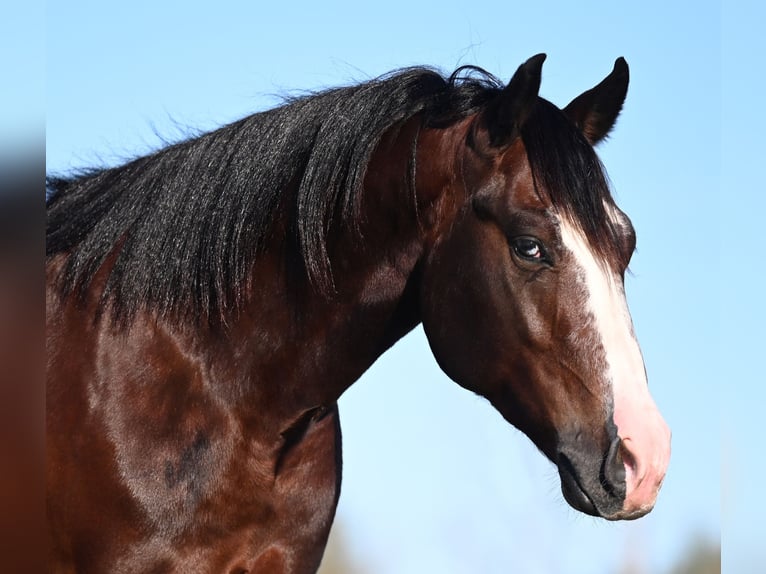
(22, 366)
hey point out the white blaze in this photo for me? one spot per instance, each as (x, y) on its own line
(609, 309)
(646, 438)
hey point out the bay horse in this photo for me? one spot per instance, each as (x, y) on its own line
(208, 304)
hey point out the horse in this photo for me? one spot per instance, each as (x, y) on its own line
(208, 303)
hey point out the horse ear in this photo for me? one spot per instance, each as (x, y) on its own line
(504, 116)
(596, 110)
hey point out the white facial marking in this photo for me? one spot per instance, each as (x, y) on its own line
(645, 436)
(609, 309)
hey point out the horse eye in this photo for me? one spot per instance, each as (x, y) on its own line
(528, 248)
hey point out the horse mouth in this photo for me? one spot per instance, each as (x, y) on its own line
(573, 492)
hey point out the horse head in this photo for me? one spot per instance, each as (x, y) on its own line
(523, 295)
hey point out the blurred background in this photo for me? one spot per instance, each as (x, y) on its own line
(434, 479)
(22, 310)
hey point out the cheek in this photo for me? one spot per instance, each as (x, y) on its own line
(457, 318)
(466, 305)
(538, 310)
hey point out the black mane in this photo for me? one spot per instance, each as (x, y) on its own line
(185, 224)
(190, 219)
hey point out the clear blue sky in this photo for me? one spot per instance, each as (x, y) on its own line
(434, 480)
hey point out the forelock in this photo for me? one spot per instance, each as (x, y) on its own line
(569, 175)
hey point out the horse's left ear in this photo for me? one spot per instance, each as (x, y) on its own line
(596, 110)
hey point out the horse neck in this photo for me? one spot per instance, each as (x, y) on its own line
(294, 349)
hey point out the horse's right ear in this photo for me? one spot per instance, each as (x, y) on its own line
(500, 122)
(595, 111)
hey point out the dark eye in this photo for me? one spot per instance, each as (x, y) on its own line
(529, 249)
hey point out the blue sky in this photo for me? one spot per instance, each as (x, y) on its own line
(434, 480)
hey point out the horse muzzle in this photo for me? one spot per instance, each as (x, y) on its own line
(619, 484)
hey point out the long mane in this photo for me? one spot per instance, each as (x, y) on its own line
(187, 222)
(182, 227)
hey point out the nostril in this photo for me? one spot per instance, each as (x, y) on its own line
(613, 477)
(630, 463)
